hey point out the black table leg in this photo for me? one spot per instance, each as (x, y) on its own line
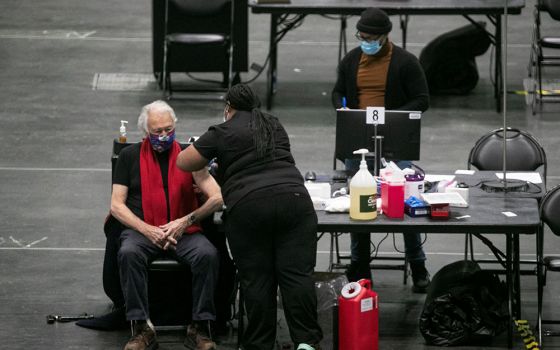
(403, 19)
(517, 281)
(509, 284)
(342, 48)
(540, 280)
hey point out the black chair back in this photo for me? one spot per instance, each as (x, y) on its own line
(200, 8)
(524, 153)
(552, 7)
(550, 210)
(117, 148)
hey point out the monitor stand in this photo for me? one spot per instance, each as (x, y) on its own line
(377, 152)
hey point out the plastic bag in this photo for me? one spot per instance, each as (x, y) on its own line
(464, 305)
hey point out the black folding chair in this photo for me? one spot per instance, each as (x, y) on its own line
(218, 43)
(538, 58)
(524, 153)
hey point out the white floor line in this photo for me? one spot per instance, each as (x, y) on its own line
(427, 253)
(53, 169)
(54, 249)
(35, 242)
(88, 37)
(322, 252)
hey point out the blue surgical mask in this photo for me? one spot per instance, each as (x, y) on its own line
(162, 143)
(371, 47)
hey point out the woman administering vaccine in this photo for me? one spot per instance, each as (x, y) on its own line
(270, 222)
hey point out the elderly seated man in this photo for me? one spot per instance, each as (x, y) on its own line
(156, 204)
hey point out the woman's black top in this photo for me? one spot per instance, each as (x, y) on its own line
(240, 171)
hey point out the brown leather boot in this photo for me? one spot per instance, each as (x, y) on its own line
(199, 336)
(143, 337)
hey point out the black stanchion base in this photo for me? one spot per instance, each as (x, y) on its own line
(502, 186)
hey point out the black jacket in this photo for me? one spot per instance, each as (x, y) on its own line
(406, 87)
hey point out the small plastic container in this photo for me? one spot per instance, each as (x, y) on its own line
(414, 185)
(122, 131)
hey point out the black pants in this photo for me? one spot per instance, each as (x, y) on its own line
(135, 254)
(226, 280)
(272, 236)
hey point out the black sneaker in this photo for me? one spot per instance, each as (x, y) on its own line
(420, 277)
(199, 336)
(144, 338)
(357, 271)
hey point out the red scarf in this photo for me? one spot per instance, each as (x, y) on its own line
(182, 199)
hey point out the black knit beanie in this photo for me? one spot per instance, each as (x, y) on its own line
(374, 21)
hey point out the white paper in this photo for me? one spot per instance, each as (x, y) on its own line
(451, 198)
(464, 172)
(509, 214)
(533, 177)
(366, 304)
(435, 178)
(318, 189)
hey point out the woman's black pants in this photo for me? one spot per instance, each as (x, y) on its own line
(272, 235)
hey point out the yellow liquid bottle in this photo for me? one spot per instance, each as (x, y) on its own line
(363, 192)
(363, 203)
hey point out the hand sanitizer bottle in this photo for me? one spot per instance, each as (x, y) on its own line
(363, 192)
(122, 131)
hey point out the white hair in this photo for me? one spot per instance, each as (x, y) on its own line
(158, 105)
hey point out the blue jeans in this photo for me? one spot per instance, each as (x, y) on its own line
(360, 243)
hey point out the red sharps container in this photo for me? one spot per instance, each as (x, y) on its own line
(358, 317)
(392, 197)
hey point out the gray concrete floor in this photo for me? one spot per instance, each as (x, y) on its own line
(57, 134)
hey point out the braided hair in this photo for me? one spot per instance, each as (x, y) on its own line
(242, 98)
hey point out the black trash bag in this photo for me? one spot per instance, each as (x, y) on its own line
(449, 60)
(464, 305)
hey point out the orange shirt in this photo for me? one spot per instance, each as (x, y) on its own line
(372, 77)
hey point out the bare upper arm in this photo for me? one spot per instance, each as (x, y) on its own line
(206, 183)
(119, 195)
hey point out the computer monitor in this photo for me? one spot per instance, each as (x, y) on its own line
(401, 134)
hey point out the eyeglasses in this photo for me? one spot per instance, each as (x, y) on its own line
(359, 36)
(160, 131)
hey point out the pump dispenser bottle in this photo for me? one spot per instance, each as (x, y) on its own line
(363, 192)
(122, 131)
